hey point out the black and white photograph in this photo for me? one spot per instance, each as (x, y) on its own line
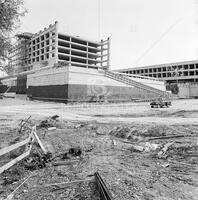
(98, 100)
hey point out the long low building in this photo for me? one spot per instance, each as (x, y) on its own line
(183, 74)
(180, 72)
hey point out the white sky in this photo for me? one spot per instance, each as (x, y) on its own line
(142, 32)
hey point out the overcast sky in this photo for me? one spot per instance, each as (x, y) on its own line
(142, 32)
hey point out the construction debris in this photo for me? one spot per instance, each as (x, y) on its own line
(76, 151)
(104, 192)
(24, 124)
(132, 164)
(162, 153)
(49, 122)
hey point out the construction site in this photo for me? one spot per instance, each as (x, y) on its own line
(72, 128)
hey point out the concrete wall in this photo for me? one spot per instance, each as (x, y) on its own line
(48, 76)
(49, 83)
(188, 90)
(69, 83)
(85, 83)
(193, 90)
(8, 83)
(184, 91)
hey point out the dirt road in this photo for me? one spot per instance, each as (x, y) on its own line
(181, 112)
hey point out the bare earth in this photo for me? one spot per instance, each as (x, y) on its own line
(121, 141)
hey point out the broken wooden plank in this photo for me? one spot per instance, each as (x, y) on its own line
(14, 161)
(171, 136)
(11, 195)
(13, 147)
(39, 141)
(69, 162)
(104, 191)
(165, 149)
(51, 128)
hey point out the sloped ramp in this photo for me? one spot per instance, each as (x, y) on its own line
(124, 79)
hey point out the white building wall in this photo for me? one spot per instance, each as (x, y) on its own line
(87, 76)
(193, 90)
(184, 91)
(49, 76)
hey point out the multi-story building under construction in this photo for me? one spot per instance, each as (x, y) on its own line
(50, 47)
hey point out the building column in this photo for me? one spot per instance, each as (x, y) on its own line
(56, 42)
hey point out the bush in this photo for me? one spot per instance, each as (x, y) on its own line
(173, 88)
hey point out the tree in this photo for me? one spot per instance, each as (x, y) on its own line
(10, 13)
(173, 88)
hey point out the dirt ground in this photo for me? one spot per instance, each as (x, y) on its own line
(141, 153)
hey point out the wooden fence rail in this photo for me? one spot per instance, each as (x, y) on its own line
(27, 141)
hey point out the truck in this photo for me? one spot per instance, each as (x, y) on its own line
(160, 103)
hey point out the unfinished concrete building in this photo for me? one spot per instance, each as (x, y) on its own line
(18, 54)
(50, 47)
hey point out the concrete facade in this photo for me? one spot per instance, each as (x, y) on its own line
(77, 84)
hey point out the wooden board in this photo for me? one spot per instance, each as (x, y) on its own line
(13, 147)
(14, 161)
(39, 141)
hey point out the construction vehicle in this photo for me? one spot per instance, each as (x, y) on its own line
(160, 103)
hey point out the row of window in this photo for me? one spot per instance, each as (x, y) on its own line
(164, 69)
(42, 51)
(41, 58)
(42, 45)
(164, 75)
(42, 38)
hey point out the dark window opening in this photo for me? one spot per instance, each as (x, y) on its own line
(191, 66)
(47, 55)
(164, 69)
(47, 35)
(185, 73)
(185, 66)
(192, 73)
